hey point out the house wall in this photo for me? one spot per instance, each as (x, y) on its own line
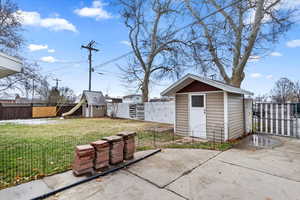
(215, 116)
(182, 114)
(235, 116)
(94, 111)
(98, 111)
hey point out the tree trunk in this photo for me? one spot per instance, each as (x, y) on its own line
(145, 88)
(236, 79)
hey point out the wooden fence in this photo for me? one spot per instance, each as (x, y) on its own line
(12, 111)
(28, 111)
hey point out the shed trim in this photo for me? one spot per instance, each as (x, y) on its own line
(171, 90)
(226, 135)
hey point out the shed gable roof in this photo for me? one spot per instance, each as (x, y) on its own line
(94, 98)
(189, 78)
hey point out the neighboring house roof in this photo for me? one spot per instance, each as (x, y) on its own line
(189, 78)
(94, 98)
(132, 95)
(9, 65)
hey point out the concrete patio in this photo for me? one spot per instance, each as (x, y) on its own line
(187, 174)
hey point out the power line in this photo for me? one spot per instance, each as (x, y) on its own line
(59, 68)
(114, 59)
(176, 31)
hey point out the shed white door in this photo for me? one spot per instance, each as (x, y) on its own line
(197, 116)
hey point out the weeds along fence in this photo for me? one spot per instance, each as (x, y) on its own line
(25, 159)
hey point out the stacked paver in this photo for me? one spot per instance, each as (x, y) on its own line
(129, 144)
(101, 154)
(116, 144)
(84, 159)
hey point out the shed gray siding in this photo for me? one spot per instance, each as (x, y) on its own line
(215, 116)
(235, 116)
(182, 114)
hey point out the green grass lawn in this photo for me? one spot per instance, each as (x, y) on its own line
(31, 151)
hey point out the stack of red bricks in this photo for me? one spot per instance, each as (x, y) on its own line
(116, 144)
(129, 144)
(102, 154)
(84, 159)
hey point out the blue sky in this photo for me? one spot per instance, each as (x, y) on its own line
(55, 30)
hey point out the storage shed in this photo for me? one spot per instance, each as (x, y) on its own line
(93, 104)
(208, 109)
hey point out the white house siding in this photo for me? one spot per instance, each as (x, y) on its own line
(235, 115)
(162, 112)
(215, 116)
(182, 114)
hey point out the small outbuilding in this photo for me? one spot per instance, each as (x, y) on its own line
(93, 104)
(209, 109)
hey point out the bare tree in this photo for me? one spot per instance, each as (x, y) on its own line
(10, 27)
(297, 91)
(283, 90)
(11, 41)
(228, 40)
(54, 95)
(155, 44)
(21, 82)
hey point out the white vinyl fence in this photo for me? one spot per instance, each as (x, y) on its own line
(120, 110)
(163, 112)
(277, 119)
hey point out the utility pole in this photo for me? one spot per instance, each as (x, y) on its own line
(90, 48)
(56, 80)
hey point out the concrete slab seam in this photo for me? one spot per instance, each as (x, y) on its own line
(150, 182)
(192, 169)
(257, 170)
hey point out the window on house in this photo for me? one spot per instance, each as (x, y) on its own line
(197, 101)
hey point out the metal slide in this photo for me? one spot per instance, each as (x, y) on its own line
(74, 109)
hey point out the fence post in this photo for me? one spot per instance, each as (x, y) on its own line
(44, 160)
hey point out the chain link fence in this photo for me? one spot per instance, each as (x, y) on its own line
(25, 159)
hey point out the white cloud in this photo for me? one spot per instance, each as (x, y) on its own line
(125, 42)
(254, 58)
(55, 24)
(293, 43)
(48, 59)
(51, 50)
(96, 11)
(256, 75)
(269, 76)
(275, 54)
(37, 47)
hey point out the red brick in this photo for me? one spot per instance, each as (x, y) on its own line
(82, 172)
(100, 144)
(80, 166)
